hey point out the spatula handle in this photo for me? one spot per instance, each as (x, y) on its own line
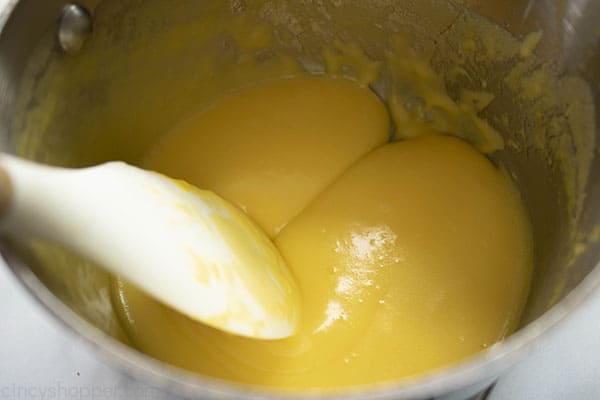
(31, 198)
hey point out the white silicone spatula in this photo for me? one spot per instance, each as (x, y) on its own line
(186, 247)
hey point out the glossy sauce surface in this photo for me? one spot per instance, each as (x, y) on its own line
(272, 148)
(409, 255)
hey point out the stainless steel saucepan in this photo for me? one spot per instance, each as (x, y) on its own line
(102, 80)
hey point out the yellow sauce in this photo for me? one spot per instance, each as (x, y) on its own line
(271, 149)
(409, 255)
